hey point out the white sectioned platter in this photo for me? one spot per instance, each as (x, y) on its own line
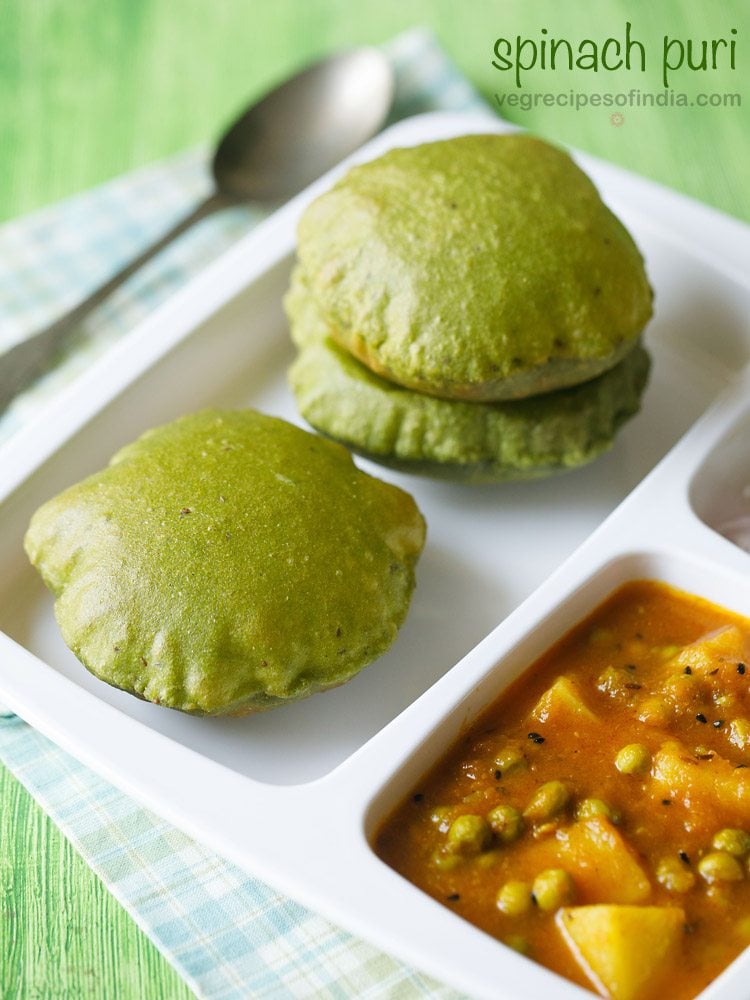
(533, 557)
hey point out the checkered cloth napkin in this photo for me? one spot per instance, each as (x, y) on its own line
(228, 935)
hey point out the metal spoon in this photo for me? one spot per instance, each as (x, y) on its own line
(279, 145)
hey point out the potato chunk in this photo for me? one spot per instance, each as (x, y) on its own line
(563, 702)
(624, 950)
(714, 787)
(724, 645)
(714, 661)
(602, 864)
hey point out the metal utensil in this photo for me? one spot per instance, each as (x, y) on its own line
(279, 145)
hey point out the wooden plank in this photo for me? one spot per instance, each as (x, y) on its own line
(62, 935)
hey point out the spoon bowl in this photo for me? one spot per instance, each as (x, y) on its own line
(304, 127)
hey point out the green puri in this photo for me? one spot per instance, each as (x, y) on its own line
(452, 439)
(483, 267)
(227, 563)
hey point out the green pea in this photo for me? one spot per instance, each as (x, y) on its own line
(552, 889)
(633, 759)
(674, 875)
(506, 823)
(445, 862)
(601, 636)
(518, 943)
(718, 866)
(588, 808)
(549, 800)
(667, 652)
(469, 834)
(478, 795)
(735, 842)
(514, 898)
(654, 711)
(488, 859)
(510, 759)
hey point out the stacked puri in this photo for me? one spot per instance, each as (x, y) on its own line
(469, 309)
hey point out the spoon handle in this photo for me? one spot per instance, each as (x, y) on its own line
(28, 360)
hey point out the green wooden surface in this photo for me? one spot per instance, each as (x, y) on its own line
(90, 89)
(63, 937)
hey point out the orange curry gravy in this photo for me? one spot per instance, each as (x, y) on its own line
(652, 667)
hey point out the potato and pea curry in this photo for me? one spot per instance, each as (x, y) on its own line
(597, 816)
